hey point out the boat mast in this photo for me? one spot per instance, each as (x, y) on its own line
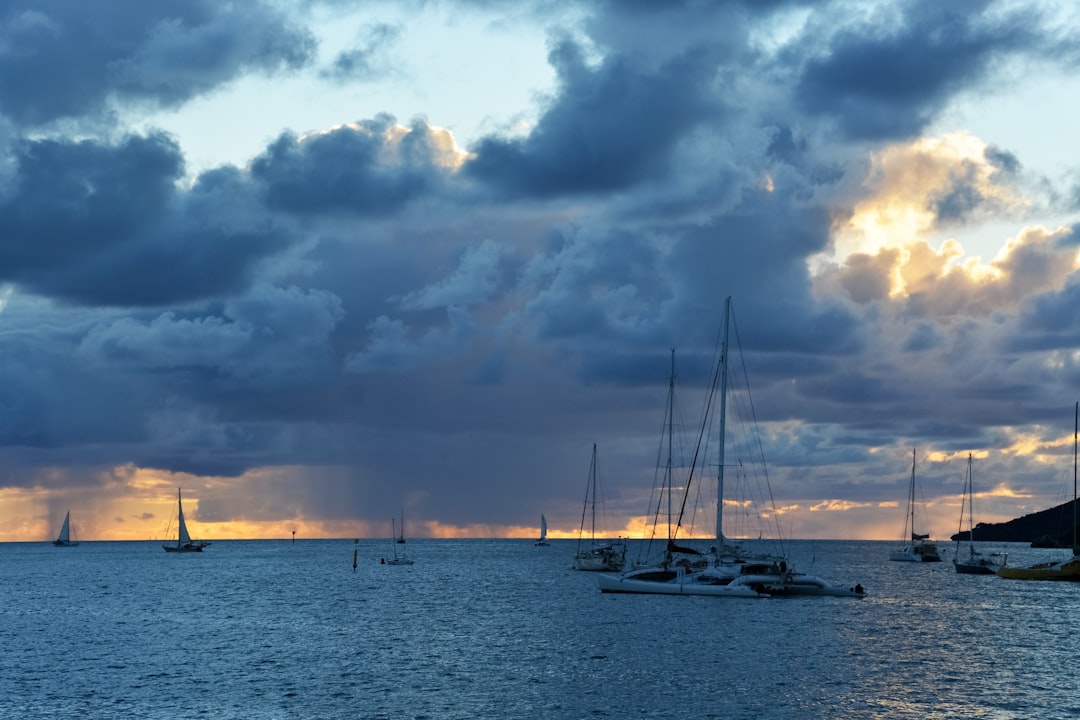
(971, 509)
(911, 499)
(723, 427)
(670, 429)
(595, 473)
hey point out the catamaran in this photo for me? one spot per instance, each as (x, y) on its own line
(726, 570)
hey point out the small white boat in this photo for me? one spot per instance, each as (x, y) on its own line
(64, 539)
(184, 543)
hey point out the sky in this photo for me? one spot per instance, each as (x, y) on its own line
(323, 264)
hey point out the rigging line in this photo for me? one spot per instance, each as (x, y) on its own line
(588, 485)
(757, 435)
(707, 411)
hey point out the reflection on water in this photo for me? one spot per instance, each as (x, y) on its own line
(504, 629)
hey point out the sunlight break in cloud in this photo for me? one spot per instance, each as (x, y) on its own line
(441, 143)
(916, 189)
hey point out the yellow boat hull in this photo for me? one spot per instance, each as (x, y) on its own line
(1068, 570)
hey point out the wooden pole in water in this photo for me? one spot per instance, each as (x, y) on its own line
(356, 541)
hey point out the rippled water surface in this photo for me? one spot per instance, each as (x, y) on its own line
(504, 629)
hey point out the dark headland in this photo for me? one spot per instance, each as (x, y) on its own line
(1052, 528)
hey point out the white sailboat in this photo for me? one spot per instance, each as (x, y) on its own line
(590, 554)
(975, 563)
(184, 543)
(726, 571)
(397, 559)
(543, 532)
(914, 547)
(65, 539)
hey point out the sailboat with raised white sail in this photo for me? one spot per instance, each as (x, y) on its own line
(726, 570)
(543, 541)
(184, 543)
(67, 537)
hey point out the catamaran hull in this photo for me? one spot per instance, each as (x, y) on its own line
(813, 585)
(597, 565)
(616, 584)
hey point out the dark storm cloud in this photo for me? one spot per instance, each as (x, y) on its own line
(106, 225)
(74, 200)
(889, 75)
(610, 127)
(65, 59)
(344, 170)
(349, 310)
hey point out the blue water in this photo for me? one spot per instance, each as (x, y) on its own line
(504, 629)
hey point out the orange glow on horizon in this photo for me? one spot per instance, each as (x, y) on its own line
(133, 504)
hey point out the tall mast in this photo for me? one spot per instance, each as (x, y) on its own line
(971, 510)
(911, 498)
(723, 427)
(671, 423)
(1076, 424)
(595, 475)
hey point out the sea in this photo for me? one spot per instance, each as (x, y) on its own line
(504, 629)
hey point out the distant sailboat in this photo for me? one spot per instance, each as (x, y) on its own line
(184, 543)
(65, 539)
(397, 559)
(543, 532)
